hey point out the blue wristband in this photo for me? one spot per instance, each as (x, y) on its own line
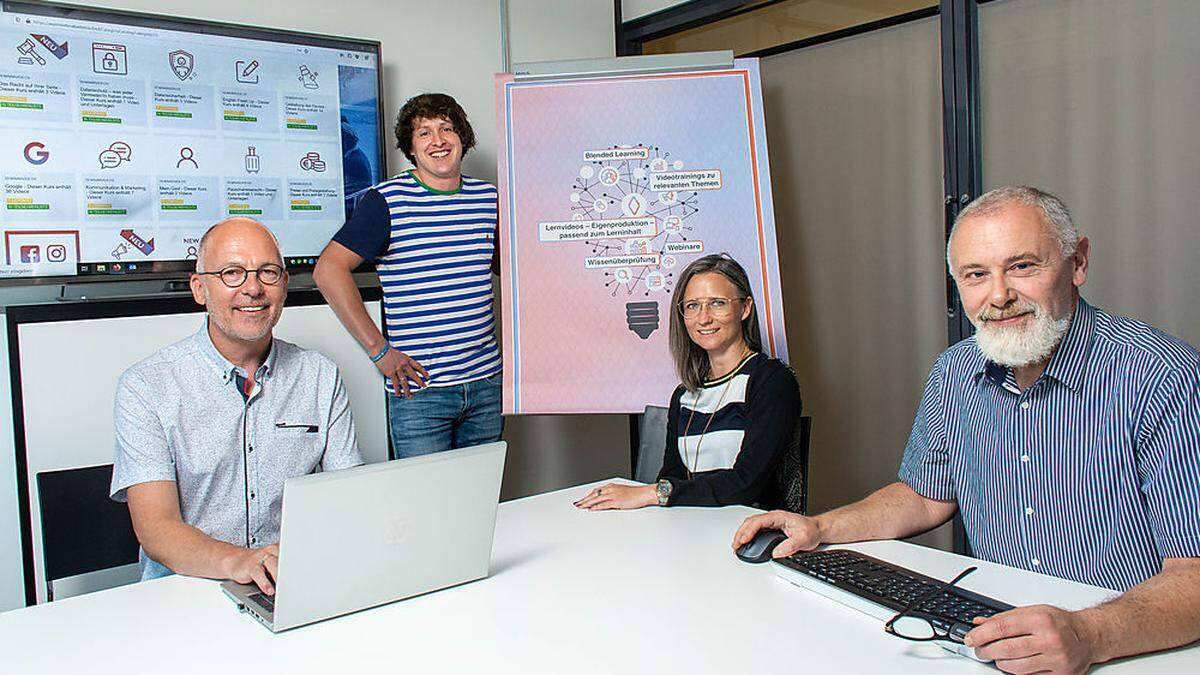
(382, 352)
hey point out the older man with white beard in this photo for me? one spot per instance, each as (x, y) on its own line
(1069, 439)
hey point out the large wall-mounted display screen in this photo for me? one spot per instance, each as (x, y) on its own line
(123, 137)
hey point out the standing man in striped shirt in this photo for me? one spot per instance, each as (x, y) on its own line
(1067, 437)
(431, 232)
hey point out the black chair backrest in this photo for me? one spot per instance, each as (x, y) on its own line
(82, 529)
(791, 477)
(652, 442)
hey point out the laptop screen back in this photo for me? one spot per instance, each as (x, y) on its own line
(373, 534)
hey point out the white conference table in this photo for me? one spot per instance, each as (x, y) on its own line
(648, 591)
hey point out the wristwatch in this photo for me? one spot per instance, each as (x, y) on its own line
(663, 489)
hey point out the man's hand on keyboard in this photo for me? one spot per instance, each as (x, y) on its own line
(802, 532)
(258, 566)
(1037, 638)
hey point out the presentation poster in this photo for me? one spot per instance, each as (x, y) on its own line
(609, 187)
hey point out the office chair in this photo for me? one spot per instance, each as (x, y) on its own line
(791, 477)
(82, 529)
(652, 440)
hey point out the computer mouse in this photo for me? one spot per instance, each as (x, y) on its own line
(759, 549)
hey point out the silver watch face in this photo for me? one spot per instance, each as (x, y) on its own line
(664, 490)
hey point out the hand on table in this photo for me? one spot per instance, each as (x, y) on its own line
(802, 532)
(1034, 639)
(616, 496)
(259, 566)
(401, 368)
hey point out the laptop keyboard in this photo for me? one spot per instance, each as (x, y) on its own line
(263, 600)
(891, 585)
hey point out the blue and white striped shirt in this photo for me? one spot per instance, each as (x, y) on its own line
(433, 251)
(1091, 474)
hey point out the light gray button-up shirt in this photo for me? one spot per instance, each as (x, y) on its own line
(179, 416)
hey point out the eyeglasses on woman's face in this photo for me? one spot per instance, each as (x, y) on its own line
(718, 307)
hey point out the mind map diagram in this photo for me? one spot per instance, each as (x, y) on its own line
(634, 213)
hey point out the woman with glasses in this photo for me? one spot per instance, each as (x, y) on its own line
(735, 413)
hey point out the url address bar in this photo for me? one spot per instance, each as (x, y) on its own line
(41, 22)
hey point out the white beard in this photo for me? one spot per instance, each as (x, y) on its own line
(1021, 346)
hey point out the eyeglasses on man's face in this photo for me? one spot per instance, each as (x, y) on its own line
(915, 622)
(234, 276)
(719, 307)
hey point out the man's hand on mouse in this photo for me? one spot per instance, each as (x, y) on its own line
(802, 532)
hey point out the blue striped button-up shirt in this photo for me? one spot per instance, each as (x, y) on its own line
(1090, 474)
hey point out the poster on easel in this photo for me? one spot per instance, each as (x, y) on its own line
(610, 185)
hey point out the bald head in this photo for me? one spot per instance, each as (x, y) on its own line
(240, 281)
(237, 232)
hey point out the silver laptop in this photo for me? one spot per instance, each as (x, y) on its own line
(378, 533)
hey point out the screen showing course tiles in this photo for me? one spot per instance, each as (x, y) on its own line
(120, 143)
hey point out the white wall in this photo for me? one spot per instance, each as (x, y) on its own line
(555, 30)
(12, 574)
(633, 9)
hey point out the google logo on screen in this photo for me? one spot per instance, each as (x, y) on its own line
(35, 153)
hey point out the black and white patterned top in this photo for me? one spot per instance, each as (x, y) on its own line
(725, 440)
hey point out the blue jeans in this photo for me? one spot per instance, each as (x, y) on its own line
(444, 418)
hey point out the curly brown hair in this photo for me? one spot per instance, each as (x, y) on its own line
(432, 106)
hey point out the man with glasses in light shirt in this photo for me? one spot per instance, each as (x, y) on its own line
(209, 428)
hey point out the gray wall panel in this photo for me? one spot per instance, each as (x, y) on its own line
(856, 161)
(1097, 101)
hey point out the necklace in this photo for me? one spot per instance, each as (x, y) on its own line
(691, 470)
